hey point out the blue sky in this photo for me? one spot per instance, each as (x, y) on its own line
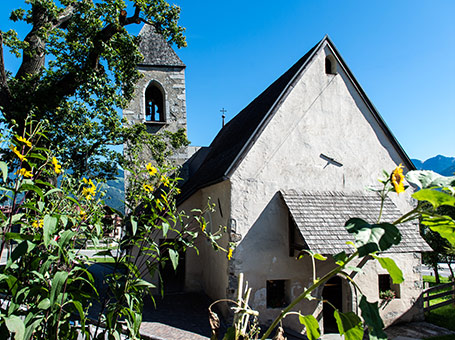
(401, 52)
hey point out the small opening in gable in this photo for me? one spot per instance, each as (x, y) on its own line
(330, 65)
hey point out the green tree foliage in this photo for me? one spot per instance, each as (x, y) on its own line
(78, 68)
(443, 250)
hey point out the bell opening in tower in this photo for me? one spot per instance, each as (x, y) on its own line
(154, 104)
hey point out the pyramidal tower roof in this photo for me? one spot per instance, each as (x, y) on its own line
(156, 51)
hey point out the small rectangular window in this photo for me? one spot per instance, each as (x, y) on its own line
(276, 293)
(387, 289)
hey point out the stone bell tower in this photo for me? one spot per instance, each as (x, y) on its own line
(159, 99)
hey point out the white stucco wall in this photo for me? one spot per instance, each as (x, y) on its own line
(322, 114)
(403, 306)
(208, 271)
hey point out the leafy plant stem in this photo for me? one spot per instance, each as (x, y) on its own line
(406, 216)
(61, 308)
(383, 195)
(314, 269)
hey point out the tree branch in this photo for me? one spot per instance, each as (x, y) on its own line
(135, 19)
(48, 97)
(69, 83)
(33, 57)
(62, 20)
(5, 94)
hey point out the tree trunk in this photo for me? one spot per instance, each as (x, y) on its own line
(436, 274)
(450, 267)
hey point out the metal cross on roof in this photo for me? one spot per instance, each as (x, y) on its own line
(223, 111)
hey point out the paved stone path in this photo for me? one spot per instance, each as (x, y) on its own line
(160, 331)
(177, 317)
(416, 330)
(185, 317)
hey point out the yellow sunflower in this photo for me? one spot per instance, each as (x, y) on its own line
(38, 223)
(57, 167)
(18, 154)
(397, 179)
(151, 169)
(147, 187)
(229, 254)
(25, 141)
(24, 172)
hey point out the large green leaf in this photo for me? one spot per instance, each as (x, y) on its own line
(311, 325)
(16, 326)
(57, 284)
(312, 254)
(4, 169)
(133, 225)
(52, 191)
(49, 225)
(435, 197)
(174, 256)
(142, 283)
(370, 314)
(340, 258)
(11, 280)
(21, 237)
(36, 155)
(23, 248)
(30, 327)
(370, 238)
(79, 308)
(165, 227)
(349, 325)
(425, 179)
(66, 237)
(137, 322)
(444, 225)
(31, 187)
(44, 304)
(14, 219)
(388, 264)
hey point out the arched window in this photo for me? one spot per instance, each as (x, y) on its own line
(154, 104)
(330, 65)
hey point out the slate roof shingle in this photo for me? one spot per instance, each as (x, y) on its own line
(156, 51)
(320, 218)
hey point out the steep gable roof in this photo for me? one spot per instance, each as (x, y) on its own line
(234, 140)
(320, 219)
(156, 51)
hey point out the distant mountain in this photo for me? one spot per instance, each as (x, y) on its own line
(418, 164)
(450, 171)
(441, 164)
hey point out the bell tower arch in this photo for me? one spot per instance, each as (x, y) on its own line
(159, 98)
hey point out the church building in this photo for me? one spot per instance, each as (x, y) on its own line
(285, 174)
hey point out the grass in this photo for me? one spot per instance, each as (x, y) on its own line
(102, 259)
(432, 280)
(443, 316)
